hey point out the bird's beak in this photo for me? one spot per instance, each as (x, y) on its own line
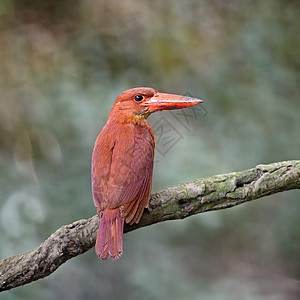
(162, 101)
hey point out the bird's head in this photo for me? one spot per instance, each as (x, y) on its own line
(135, 105)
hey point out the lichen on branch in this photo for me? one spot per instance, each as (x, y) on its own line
(177, 202)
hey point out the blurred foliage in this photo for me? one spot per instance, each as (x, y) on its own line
(62, 65)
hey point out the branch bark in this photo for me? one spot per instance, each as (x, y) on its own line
(177, 202)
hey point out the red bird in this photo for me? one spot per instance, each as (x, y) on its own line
(122, 163)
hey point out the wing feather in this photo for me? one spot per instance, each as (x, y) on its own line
(122, 167)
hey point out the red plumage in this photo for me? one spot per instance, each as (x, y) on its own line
(122, 164)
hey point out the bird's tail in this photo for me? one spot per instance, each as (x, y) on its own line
(109, 241)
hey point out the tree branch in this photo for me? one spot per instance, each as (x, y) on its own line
(178, 202)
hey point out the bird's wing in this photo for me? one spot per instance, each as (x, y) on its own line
(127, 163)
(132, 166)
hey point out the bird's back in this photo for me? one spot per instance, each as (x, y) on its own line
(122, 165)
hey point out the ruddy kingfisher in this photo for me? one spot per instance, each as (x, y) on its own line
(122, 163)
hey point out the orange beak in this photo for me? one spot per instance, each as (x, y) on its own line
(162, 101)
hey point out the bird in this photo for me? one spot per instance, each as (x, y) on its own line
(122, 163)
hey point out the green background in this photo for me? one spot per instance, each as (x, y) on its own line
(62, 65)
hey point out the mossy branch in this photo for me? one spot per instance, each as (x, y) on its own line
(178, 202)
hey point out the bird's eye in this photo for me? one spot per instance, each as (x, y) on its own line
(138, 98)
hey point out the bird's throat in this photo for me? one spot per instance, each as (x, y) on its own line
(133, 118)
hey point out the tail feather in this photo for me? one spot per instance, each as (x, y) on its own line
(109, 241)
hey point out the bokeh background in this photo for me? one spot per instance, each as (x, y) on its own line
(62, 64)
